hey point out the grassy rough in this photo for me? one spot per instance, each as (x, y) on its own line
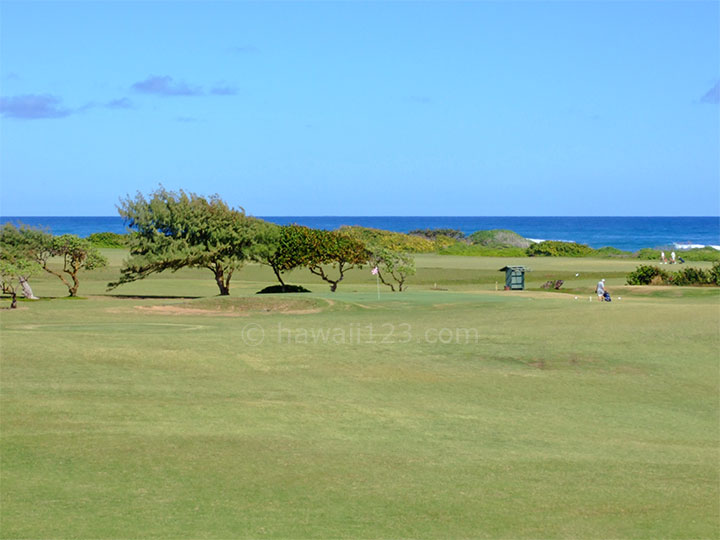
(427, 414)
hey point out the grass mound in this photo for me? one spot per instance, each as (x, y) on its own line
(254, 304)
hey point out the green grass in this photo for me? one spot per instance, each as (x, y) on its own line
(161, 410)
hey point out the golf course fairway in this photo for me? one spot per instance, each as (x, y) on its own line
(452, 410)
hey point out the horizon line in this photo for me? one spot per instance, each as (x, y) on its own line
(392, 216)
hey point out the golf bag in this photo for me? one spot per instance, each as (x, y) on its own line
(606, 297)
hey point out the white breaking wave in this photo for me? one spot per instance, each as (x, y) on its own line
(694, 246)
(539, 240)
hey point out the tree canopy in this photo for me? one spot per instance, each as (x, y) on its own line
(392, 266)
(26, 248)
(173, 230)
(327, 254)
(275, 247)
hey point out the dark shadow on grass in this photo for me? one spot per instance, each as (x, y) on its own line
(279, 289)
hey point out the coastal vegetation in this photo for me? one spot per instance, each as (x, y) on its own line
(688, 275)
(170, 231)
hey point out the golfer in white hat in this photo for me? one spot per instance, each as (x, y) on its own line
(601, 289)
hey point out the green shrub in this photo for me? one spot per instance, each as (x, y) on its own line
(646, 275)
(611, 252)
(648, 254)
(393, 241)
(700, 254)
(108, 240)
(715, 274)
(443, 242)
(499, 238)
(553, 248)
(696, 254)
(691, 276)
(477, 250)
(432, 234)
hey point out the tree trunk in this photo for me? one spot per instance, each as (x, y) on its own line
(13, 304)
(222, 283)
(76, 283)
(27, 291)
(62, 278)
(318, 271)
(277, 274)
(382, 280)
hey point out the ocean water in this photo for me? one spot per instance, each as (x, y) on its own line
(627, 233)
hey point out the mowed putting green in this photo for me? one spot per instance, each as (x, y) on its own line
(449, 411)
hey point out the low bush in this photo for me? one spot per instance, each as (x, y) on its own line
(499, 238)
(715, 274)
(477, 250)
(700, 254)
(696, 254)
(108, 240)
(648, 254)
(553, 248)
(690, 276)
(653, 275)
(393, 241)
(611, 252)
(432, 234)
(646, 274)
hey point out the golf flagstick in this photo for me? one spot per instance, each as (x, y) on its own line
(377, 280)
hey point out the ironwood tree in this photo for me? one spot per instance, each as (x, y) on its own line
(173, 230)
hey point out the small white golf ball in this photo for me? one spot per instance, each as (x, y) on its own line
(576, 275)
(576, 298)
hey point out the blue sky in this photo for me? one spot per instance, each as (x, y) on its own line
(349, 108)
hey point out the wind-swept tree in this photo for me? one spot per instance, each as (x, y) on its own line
(76, 254)
(327, 254)
(177, 230)
(17, 262)
(281, 247)
(16, 270)
(35, 245)
(392, 266)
